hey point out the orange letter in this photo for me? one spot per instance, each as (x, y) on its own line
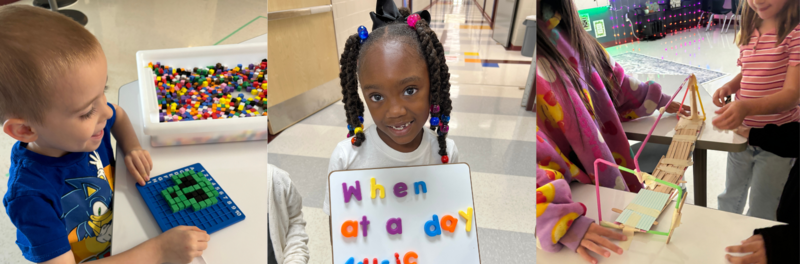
(449, 227)
(408, 256)
(353, 232)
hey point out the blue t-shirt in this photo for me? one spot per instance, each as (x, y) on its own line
(62, 204)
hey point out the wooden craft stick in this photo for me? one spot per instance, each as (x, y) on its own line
(671, 170)
(677, 162)
(618, 226)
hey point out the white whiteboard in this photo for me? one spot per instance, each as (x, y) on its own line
(449, 190)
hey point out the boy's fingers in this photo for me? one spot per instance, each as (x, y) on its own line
(611, 234)
(201, 246)
(585, 255)
(747, 259)
(139, 166)
(132, 171)
(149, 160)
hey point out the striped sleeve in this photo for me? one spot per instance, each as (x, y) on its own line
(794, 46)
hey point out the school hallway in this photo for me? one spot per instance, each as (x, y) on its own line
(491, 128)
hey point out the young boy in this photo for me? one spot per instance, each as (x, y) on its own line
(60, 190)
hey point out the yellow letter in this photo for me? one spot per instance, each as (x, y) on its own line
(373, 187)
(468, 217)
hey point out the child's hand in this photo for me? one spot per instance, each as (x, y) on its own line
(139, 164)
(181, 244)
(595, 239)
(674, 106)
(753, 245)
(730, 116)
(719, 96)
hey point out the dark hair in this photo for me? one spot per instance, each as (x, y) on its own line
(425, 44)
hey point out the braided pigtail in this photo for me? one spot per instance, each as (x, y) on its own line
(348, 76)
(441, 105)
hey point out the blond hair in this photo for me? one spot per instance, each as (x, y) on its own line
(37, 47)
(788, 19)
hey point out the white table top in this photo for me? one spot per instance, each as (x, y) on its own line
(702, 237)
(709, 138)
(240, 168)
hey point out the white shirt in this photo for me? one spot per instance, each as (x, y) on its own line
(374, 153)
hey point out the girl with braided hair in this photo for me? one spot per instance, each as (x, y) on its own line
(404, 80)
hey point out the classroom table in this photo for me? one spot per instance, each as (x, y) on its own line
(701, 238)
(709, 137)
(239, 168)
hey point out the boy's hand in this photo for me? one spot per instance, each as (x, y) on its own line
(730, 116)
(719, 96)
(674, 106)
(595, 239)
(139, 165)
(753, 245)
(181, 244)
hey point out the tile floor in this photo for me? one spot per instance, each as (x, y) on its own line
(494, 134)
(125, 27)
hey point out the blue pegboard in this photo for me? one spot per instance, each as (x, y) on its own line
(210, 219)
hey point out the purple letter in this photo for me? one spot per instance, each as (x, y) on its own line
(364, 224)
(400, 189)
(352, 191)
(398, 226)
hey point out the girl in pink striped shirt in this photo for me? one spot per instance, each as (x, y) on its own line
(767, 92)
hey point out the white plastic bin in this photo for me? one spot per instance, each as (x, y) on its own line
(198, 131)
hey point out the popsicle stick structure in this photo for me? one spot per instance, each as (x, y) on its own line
(663, 185)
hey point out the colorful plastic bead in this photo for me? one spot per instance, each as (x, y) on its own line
(447, 119)
(445, 128)
(358, 130)
(362, 33)
(434, 121)
(412, 20)
(445, 159)
(361, 120)
(353, 141)
(435, 109)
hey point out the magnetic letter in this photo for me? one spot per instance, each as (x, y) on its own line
(351, 191)
(408, 256)
(449, 227)
(398, 226)
(364, 224)
(350, 233)
(351, 260)
(373, 187)
(467, 216)
(417, 186)
(435, 224)
(400, 189)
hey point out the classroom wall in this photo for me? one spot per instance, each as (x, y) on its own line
(348, 15)
(524, 8)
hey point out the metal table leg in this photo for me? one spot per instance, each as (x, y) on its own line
(700, 169)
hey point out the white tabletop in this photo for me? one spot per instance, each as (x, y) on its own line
(709, 138)
(701, 238)
(240, 168)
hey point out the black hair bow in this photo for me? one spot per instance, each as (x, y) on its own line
(386, 13)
